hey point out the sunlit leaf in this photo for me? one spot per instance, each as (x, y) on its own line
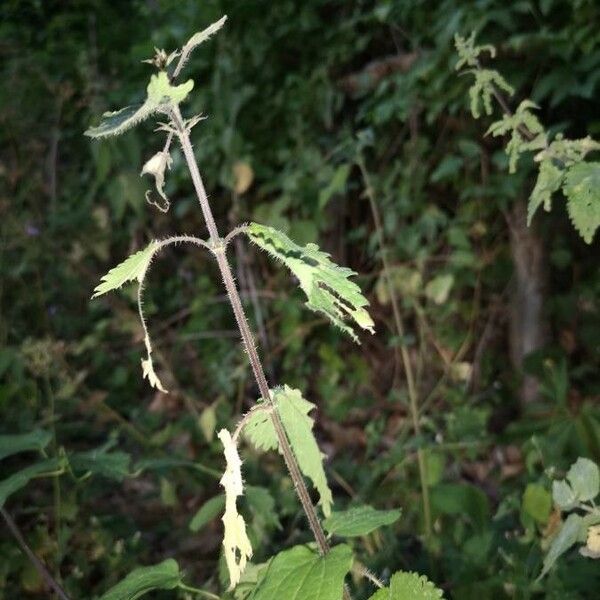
(293, 410)
(584, 477)
(301, 573)
(409, 586)
(132, 268)
(582, 189)
(326, 285)
(236, 545)
(549, 180)
(160, 94)
(567, 536)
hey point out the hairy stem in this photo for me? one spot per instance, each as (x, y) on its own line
(413, 394)
(218, 248)
(37, 563)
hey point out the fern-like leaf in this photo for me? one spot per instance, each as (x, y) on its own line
(326, 285)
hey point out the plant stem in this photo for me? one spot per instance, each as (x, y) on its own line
(37, 563)
(218, 248)
(399, 323)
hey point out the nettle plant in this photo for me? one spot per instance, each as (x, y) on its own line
(280, 418)
(560, 162)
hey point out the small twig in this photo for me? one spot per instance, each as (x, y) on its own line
(37, 563)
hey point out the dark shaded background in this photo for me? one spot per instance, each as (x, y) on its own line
(295, 92)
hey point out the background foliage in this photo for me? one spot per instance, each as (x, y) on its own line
(298, 97)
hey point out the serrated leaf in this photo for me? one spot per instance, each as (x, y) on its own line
(163, 576)
(262, 505)
(326, 285)
(160, 93)
(584, 477)
(119, 121)
(210, 510)
(197, 39)
(567, 536)
(582, 189)
(21, 478)
(114, 465)
(132, 268)
(293, 410)
(359, 520)
(300, 573)
(549, 180)
(409, 586)
(23, 442)
(236, 545)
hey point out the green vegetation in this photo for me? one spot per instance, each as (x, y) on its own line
(452, 453)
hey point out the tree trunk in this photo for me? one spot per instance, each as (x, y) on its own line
(528, 327)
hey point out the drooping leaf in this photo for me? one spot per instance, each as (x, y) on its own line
(293, 410)
(236, 545)
(23, 442)
(359, 520)
(160, 93)
(210, 510)
(549, 180)
(21, 478)
(582, 189)
(584, 477)
(409, 586)
(300, 573)
(156, 166)
(163, 576)
(327, 286)
(132, 268)
(567, 536)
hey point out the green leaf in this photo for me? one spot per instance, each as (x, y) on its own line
(584, 478)
(438, 289)
(114, 465)
(302, 574)
(537, 502)
(163, 576)
(293, 410)
(549, 180)
(567, 536)
(262, 505)
(582, 189)
(23, 442)
(326, 285)
(337, 185)
(160, 94)
(21, 478)
(463, 500)
(209, 511)
(132, 268)
(563, 495)
(408, 586)
(359, 520)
